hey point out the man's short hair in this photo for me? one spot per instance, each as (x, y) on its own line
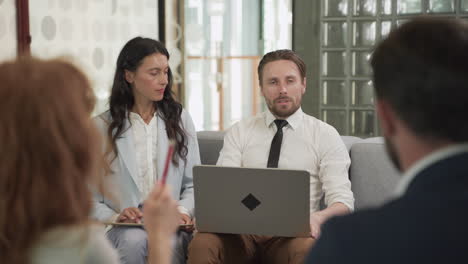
(283, 54)
(421, 71)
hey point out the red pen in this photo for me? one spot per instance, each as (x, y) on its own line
(170, 151)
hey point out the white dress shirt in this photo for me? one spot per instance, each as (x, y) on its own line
(308, 144)
(145, 139)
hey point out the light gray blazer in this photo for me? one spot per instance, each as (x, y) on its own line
(122, 181)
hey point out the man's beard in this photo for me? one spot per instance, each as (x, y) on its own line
(392, 154)
(276, 111)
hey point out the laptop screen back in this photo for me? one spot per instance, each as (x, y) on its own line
(271, 202)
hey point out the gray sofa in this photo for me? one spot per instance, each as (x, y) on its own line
(373, 177)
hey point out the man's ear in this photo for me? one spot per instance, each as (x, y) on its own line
(387, 118)
(129, 76)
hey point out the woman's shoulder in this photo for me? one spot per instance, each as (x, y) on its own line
(103, 120)
(103, 117)
(186, 117)
(76, 244)
(99, 248)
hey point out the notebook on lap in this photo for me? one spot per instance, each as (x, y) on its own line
(270, 202)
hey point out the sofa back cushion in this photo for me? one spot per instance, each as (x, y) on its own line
(349, 141)
(210, 143)
(373, 176)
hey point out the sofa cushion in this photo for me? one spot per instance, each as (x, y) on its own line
(349, 141)
(373, 176)
(210, 143)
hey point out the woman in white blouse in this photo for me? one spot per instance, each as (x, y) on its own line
(142, 118)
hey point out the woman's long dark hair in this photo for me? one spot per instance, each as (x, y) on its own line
(122, 100)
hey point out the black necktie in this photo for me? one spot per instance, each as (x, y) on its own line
(275, 148)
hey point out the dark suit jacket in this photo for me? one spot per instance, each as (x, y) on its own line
(428, 224)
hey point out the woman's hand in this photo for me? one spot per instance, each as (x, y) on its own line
(130, 215)
(187, 222)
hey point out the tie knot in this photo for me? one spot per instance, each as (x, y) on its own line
(280, 123)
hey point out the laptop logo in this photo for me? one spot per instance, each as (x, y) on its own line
(251, 202)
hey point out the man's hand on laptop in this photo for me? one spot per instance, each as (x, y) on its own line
(130, 215)
(316, 220)
(187, 222)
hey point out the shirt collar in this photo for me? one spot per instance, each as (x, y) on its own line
(294, 120)
(137, 118)
(134, 115)
(424, 163)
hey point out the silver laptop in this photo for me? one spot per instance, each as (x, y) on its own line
(270, 202)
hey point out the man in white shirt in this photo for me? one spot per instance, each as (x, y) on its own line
(283, 137)
(421, 84)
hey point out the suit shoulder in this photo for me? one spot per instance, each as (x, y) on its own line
(346, 238)
(368, 225)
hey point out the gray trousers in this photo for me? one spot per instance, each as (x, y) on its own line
(132, 245)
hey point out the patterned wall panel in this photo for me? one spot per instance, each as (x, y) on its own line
(91, 33)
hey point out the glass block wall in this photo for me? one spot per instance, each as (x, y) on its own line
(350, 29)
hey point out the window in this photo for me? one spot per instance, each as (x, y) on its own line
(224, 42)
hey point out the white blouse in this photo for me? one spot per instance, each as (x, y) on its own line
(145, 139)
